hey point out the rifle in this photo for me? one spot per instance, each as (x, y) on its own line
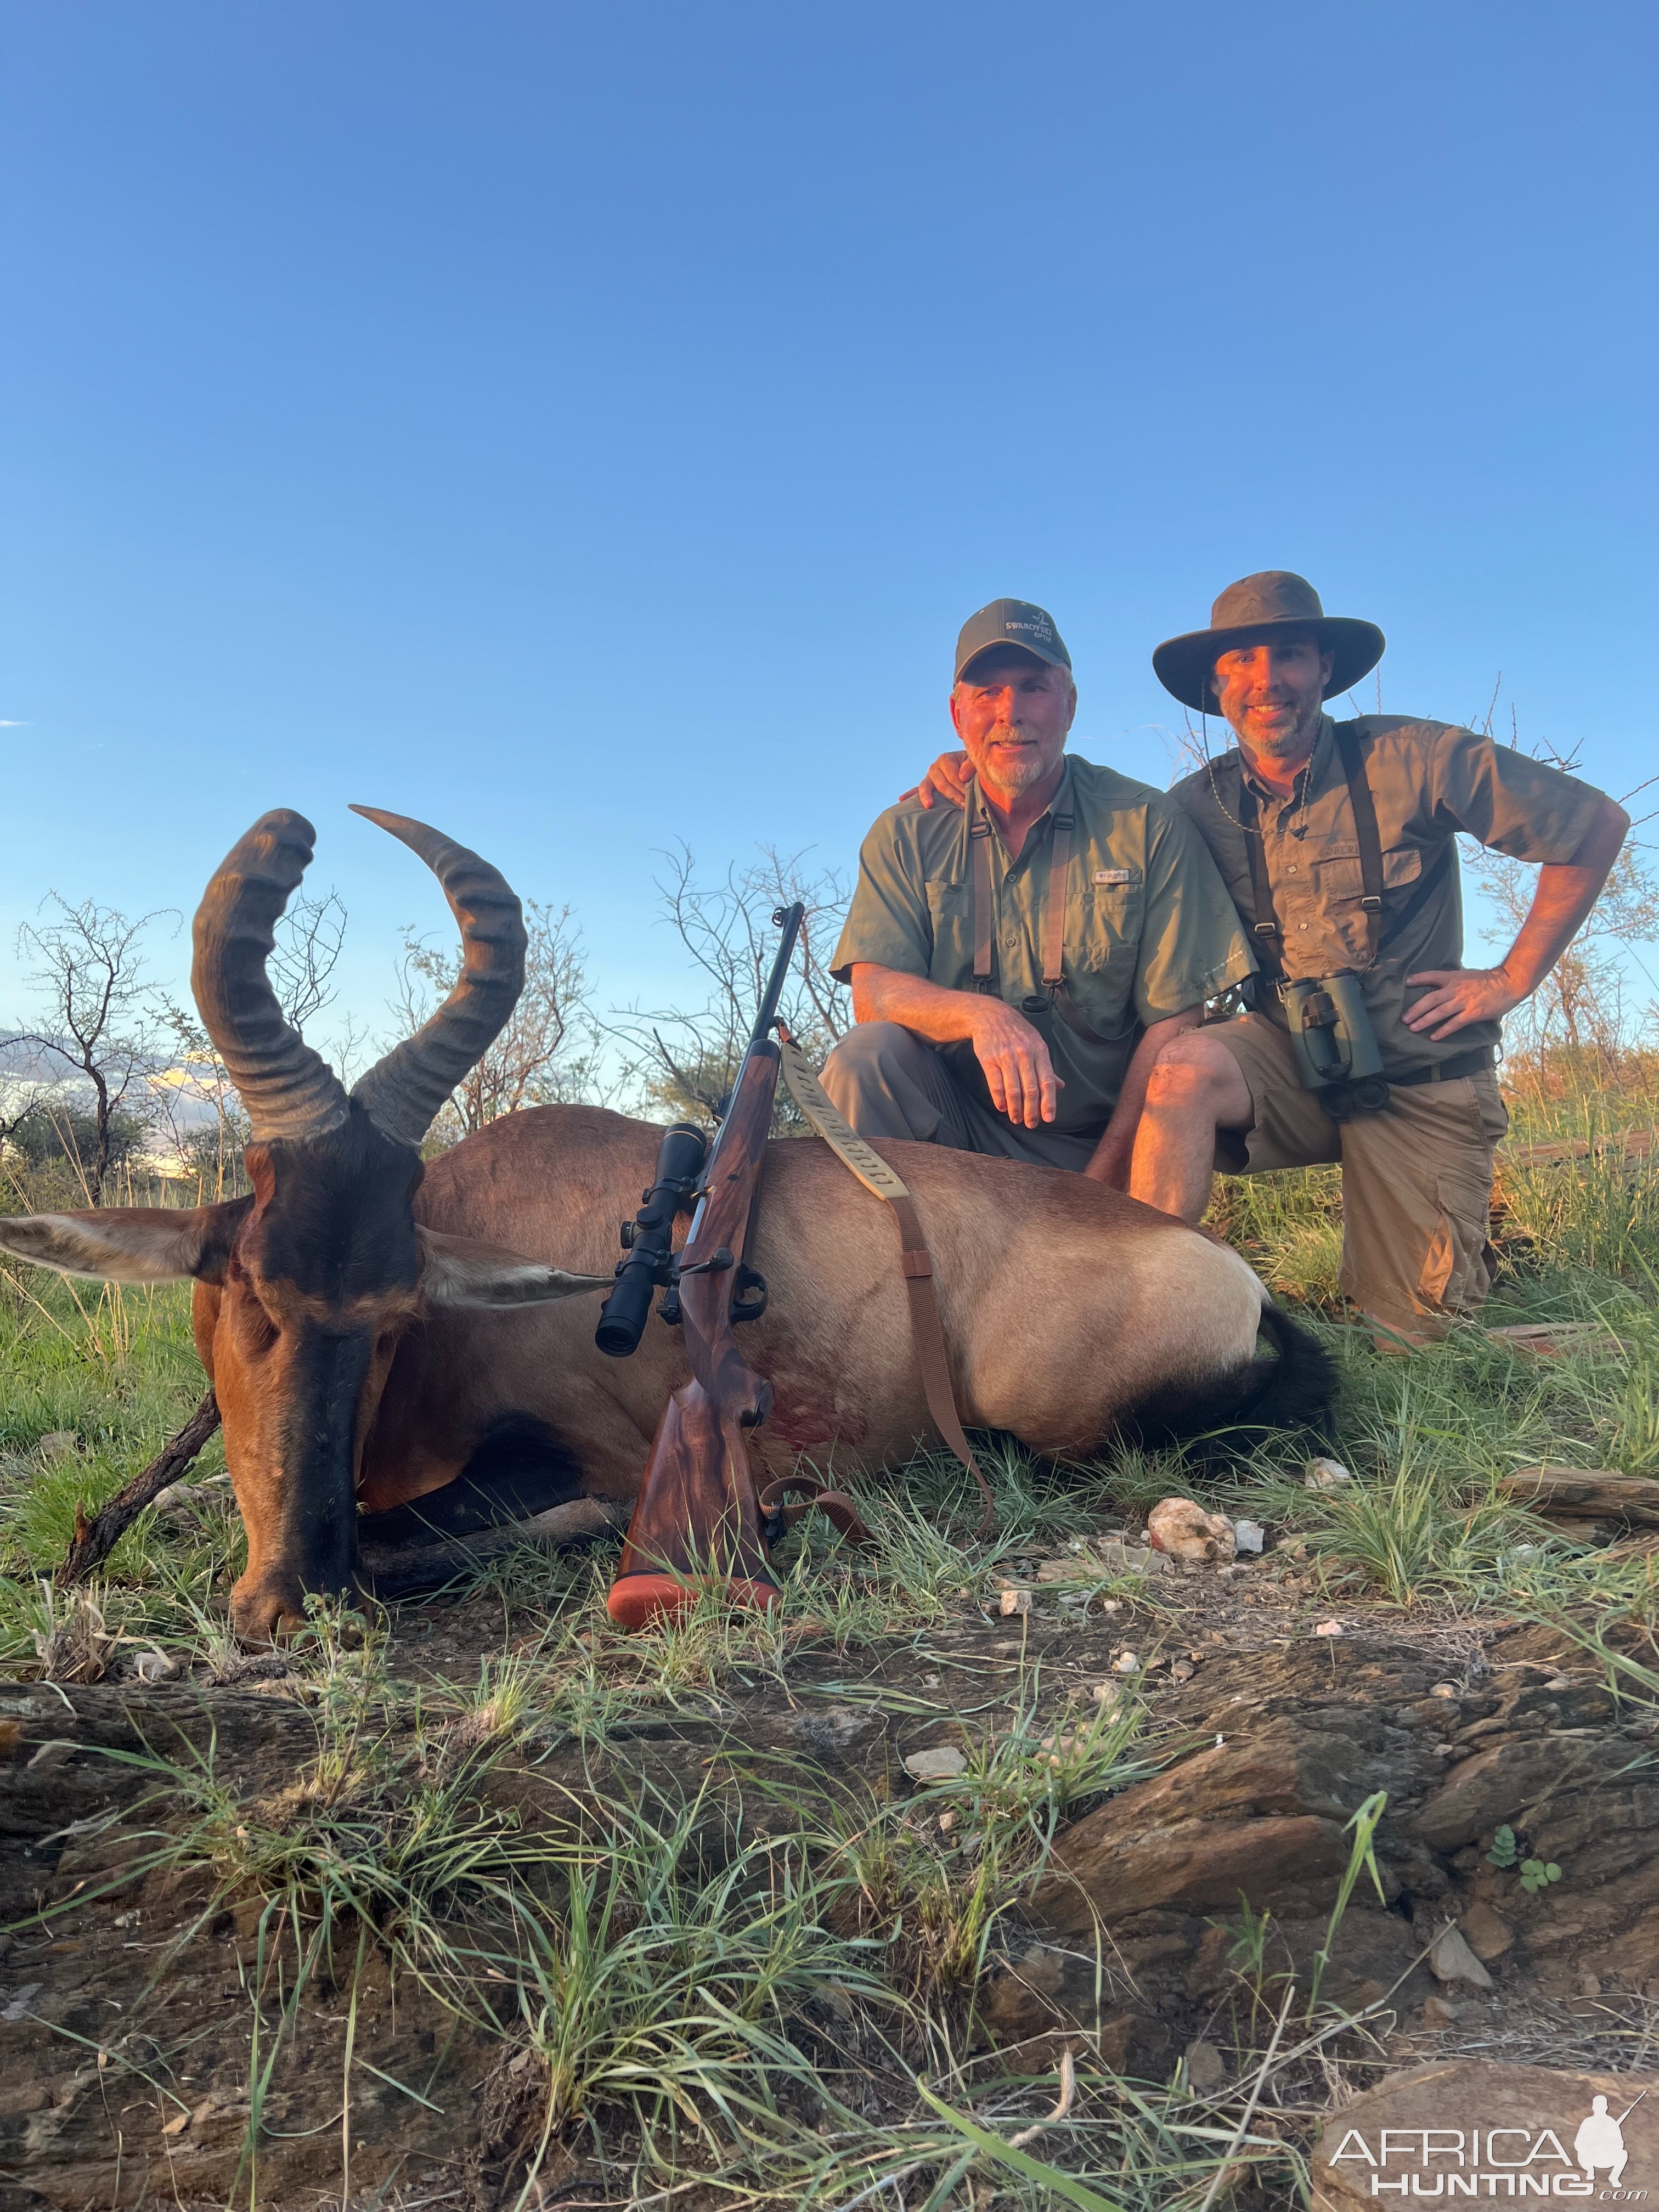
(698, 1517)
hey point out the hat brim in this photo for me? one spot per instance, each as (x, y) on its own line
(1184, 665)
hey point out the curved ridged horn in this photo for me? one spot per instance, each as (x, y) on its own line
(403, 1093)
(288, 1090)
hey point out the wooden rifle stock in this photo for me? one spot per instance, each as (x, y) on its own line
(697, 1522)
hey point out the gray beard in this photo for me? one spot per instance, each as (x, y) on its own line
(1018, 777)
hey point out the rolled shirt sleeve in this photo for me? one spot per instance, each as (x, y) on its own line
(1506, 799)
(887, 921)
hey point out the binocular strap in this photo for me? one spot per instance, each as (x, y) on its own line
(874, 1172)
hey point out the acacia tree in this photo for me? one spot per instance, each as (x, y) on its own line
(101, 1017)
(688, 1061)
(542, 1057)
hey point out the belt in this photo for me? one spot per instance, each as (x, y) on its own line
(1447, 1070)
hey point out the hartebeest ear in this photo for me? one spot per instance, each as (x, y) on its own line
(461, 1271)
(129, 1243)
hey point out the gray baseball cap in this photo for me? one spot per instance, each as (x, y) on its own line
(1011, 621)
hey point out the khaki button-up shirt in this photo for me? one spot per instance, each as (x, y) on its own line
(1428, 780)
(1150, 929)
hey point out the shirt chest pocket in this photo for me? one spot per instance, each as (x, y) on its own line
(1102, 959)
(1340, 877)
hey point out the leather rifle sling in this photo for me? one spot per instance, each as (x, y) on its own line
(874, 1172)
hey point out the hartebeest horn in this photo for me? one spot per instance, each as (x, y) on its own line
(288, 1090)
(403, 1093)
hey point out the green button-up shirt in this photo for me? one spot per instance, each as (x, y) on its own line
(1428, 780)
(1150, 929)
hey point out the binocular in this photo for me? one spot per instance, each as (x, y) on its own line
(1337, 1055)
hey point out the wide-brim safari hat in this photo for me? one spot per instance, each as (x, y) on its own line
(1253, 610)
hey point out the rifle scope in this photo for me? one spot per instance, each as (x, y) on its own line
(648, 1241)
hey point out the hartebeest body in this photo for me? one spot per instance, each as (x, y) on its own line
(388, 1341)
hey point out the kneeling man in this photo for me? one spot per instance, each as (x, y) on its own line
(1015, 966)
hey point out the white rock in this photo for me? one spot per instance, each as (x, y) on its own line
(1248, 1535)
(942, 1764)
(1012, 1602)
(1329, 1628)
(1325, 1474)
(1452, 1960)
(1444, 1690)
(1127, 1662)
(1109, 1695)
(152, 1666)
(1182, 1529)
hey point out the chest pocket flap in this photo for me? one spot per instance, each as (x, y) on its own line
(1339, 876)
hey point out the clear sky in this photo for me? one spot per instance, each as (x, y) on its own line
(588, 426)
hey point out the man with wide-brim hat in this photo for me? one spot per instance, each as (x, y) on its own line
(1336, 839)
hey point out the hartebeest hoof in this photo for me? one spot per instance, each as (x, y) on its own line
(649, 1600)
(268, 1614)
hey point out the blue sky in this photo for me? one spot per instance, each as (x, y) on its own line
(584, 428)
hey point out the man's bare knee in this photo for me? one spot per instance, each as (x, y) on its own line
(1195, 1076)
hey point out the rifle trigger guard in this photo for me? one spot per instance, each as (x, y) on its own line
(749, 1294)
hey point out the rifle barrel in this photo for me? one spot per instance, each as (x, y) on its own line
(790, 919)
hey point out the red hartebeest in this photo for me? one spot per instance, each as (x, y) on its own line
(385, 1339)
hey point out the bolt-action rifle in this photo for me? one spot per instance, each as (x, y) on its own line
(699, 1519)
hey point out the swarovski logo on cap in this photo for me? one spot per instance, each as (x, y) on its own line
(1043, 628)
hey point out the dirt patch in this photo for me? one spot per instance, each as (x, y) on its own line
(142, 2026)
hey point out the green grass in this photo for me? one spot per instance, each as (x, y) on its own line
(750, 1976)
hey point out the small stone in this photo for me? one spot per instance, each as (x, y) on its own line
(1325, 1474)
(1108, 1694)
(930, 1681)
(1589, 1986)
(1440, 2012)
(1180, 1528)
(1014, 1602)
(1248, 1535)
(1205, 2069)
(1444, 1690)
(152, 1666)
(1182, 1671)
(942, 1763)
(1450, 1960)
(1329, 1628)
(58, 1443)
(1487, 1933)
(1127, 1662)
(947, 1821)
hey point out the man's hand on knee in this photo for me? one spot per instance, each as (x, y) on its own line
(1017, 1069)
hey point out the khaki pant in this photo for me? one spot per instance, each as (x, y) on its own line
(889, 1082)
(1416, 1178)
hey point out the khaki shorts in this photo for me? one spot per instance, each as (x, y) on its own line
(1416, 1178)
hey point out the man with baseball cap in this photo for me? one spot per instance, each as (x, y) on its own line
(1368, 1043)
(1015, 966)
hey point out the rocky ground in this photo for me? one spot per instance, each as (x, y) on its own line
(134, 2015)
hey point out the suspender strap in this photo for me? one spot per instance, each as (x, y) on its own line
(874, 1172)
(1269, 946)
(1053, 920)
(979, 853)
(1366, 829)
